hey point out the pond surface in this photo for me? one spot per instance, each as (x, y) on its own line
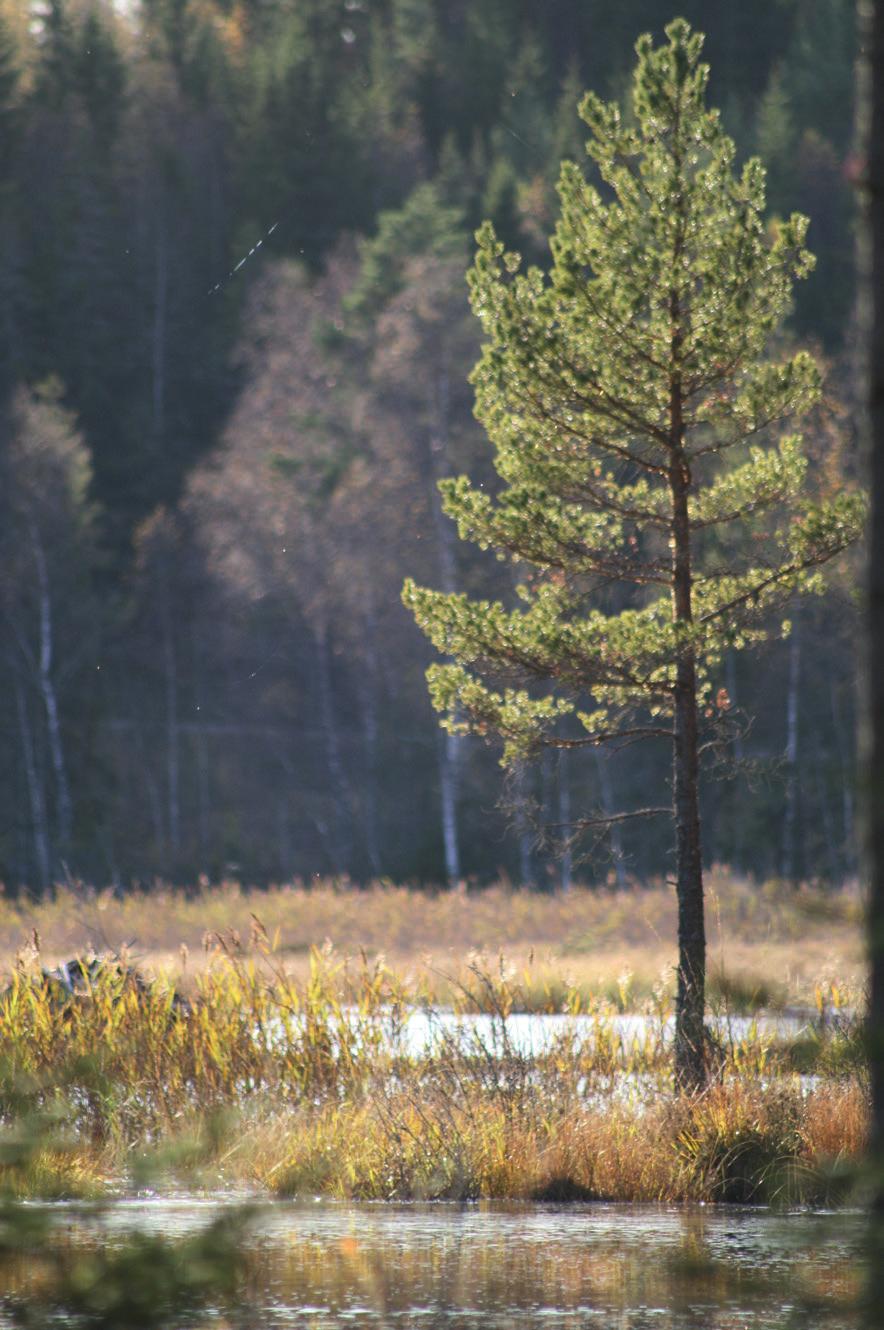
(530, 1034)
(326, 1266)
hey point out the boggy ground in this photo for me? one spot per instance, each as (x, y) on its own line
(770, 945)
(311, 1086)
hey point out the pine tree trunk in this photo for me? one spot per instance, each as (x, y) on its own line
(736, 857)
(368, 699)
(565, 820)
(450, 746)
(201, 754)
(872, 271)
(690, 1061)
(608, 808)
(523, 823)
(787, 862)
(690, 1037)
(846, 778)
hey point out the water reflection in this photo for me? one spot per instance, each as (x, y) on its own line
(327, 1266)
(533, 1033)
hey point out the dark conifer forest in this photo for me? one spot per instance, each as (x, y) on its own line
(235, 347)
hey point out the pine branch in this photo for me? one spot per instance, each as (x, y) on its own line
(608, 819)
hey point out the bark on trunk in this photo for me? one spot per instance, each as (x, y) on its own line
(846, 781)
(450, 746)
(523, 823)
(739, 753)
(690, 1061)
(567, 867)
(690, 1037)
(872, 731)
(608, 808)
(368, 697)
(787, 861)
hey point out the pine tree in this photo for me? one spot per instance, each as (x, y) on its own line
(776, 138)
(10, 114)
(101, 76)
(54, 74)
(636, 418)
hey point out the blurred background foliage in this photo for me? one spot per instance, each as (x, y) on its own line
(215, 481)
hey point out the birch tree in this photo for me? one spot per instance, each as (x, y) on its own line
(637, 416)
(50, 627)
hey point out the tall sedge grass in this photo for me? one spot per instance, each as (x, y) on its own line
(769, 943)
(737, 1143)
(314, 1086)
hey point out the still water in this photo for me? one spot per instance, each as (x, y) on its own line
(326, 1266)
(532, 1033)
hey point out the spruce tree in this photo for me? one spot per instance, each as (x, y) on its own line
(649, 492)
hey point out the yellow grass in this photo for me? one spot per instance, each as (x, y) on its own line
(737, 1143)
(778, 942)
(311, 1087)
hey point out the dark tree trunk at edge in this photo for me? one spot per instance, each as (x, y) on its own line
(872, 731)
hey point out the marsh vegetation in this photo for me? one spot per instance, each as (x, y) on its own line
(350, 1078)
(129, 1119)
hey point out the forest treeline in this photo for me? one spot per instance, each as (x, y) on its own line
(219, 457)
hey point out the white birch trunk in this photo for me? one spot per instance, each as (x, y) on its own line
(173, 738)
(36, 796)
(448, 783)
(63, 802)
